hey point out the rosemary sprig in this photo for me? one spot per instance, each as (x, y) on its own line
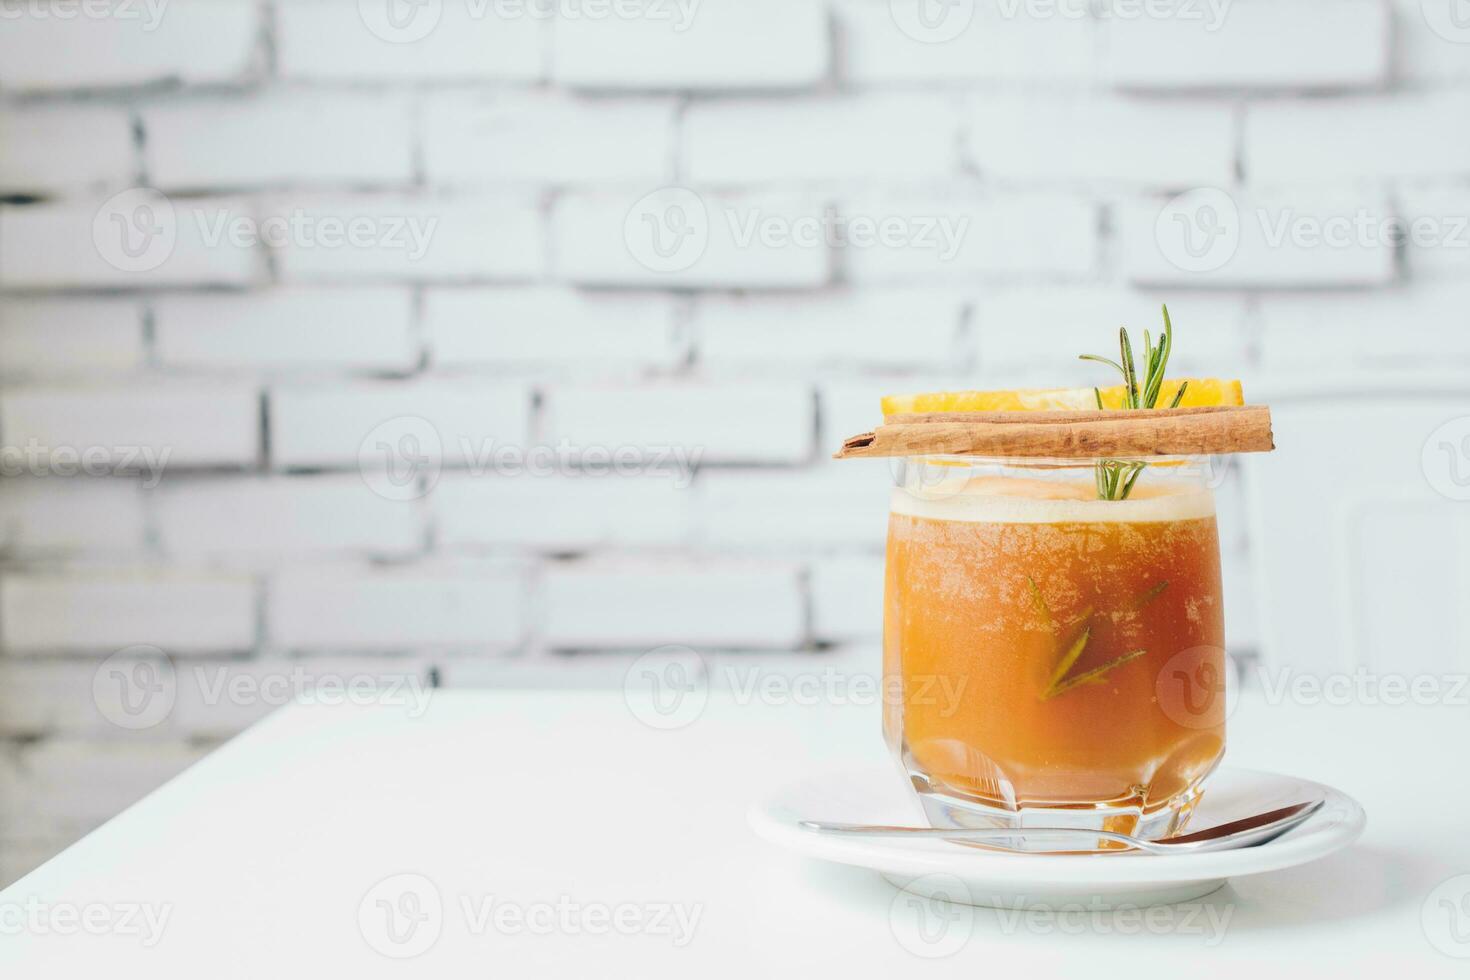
(1068, 659)
(1039, 601)
(1145, 598)
(1087, 677)
(1115, 477)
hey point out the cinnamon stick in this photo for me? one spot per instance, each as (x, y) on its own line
(1087, 435)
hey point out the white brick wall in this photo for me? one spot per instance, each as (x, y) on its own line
(471, 138)
(177, 424)
(291, 137)
(901, 138)
(322, 425)
(643, 606)
(282, 519)
(61, 46)
(1250, 45)
(76, 245)
(728, 424)
(727, 44)
(1152, 142)
(287, 329)
(107, 611)
(344, 608)
(58, 337)
(883, 45)
(280, 238)
(551, 329)
(66, 147)
(322, 40)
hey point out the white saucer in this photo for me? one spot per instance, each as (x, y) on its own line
(1006, 880)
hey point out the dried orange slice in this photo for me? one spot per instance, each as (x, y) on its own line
(1202, 392)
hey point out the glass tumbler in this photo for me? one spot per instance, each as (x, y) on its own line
(1055, 659)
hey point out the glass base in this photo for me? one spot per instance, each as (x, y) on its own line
(944, 808)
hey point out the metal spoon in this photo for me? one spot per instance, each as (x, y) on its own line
(1245, 832)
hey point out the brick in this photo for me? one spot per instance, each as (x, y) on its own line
(679, 237)
(721, 424)
(847, 599)
(142, 43)
(284, 329)
(562, 511)
(456, 40)
(329, 425)
(639, 606)
(1027, 334)
(277, 519)
(778, 511)
(1140, 141)
(105, 611)
(116, 243)
(474, 139)
(1437, 231)
(401, 238)
(65, 148)
(1407, 329)
(868, 329)
(42, 515)
(288, 137)
(863, 138)
(1251, 45)
(71, 785)
(1405, 136)
(344, 608)
(1300, 241)
(56, 337)
(983, 42)
(957, 237)
(1429, 44)
(717, 44)
(551, 329)
(44, 696)
(169, 424)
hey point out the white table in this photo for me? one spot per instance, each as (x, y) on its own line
(564, 809)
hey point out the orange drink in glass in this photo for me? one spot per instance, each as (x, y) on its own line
(1036, 636)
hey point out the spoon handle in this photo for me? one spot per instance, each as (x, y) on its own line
(974, 833)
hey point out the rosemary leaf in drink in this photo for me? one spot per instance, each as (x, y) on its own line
(1068, 659)
(1096, 673)
(1115, 478)
(1149, 596)
(1039, 601)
